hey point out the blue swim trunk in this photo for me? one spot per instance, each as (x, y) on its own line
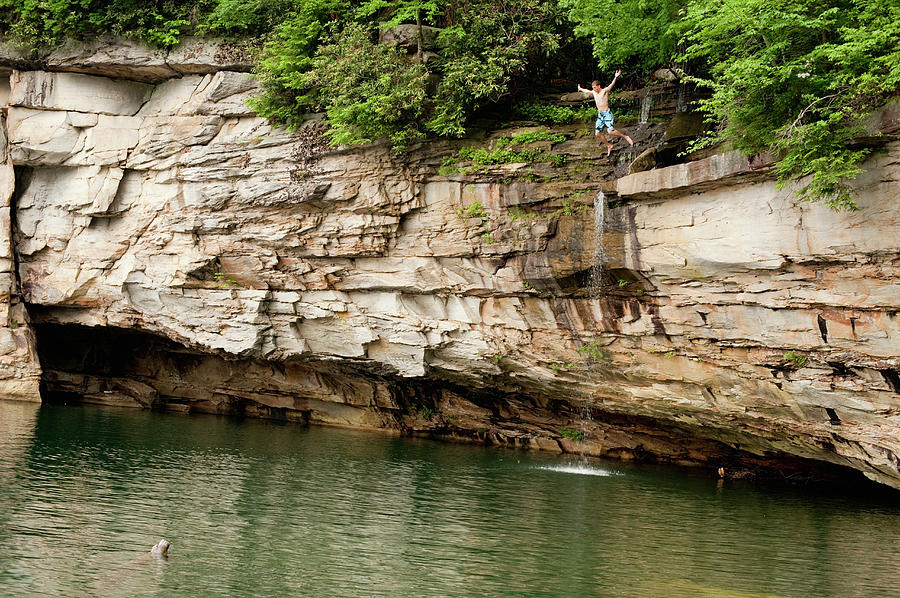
(604, 119)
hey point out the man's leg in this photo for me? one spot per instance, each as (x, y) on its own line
(622, 135)
(605, 141)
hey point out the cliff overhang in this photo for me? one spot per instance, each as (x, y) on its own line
(691, 313)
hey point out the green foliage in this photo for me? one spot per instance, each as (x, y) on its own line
(233, 18)
(391, 13)
(795, 78)
(422, 411)
(473, 210)
(594, 351)
(527, 137)
(488, 51)
(554, 115)
(626, 33)
(482, 157)
(50, 22)
(288, 57)
(368, 90)
(797, 359)
(806, 73)
(222, 281)
(575, 435)
(517, 213)
(558, 160)
(565, 209)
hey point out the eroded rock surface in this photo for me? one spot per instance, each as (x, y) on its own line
(349, 287)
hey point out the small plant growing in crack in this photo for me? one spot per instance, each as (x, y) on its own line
(473, 210)
(223, 281)
(566, 209)
(422, 411)
(576, 435)
(796, 359)
(517, 213)
(594, 351)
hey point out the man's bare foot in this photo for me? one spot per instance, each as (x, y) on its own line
(628, 139)
(608, 148)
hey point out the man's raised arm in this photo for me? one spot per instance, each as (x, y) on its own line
(610, 86)
(583, 90)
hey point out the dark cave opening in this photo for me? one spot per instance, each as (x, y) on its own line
(133, 368)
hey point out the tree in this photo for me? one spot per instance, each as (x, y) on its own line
(492, 50)
(634, 34)
(288, 56)
(797, 78)
(402, 11)
(369, 90)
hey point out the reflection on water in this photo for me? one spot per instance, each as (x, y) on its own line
(254, 508)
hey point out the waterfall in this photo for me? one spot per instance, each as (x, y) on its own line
(646, 104)
(595, 288)
(595, 281)
(681, 102)
(587, 418)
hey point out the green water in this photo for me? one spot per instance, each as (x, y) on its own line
(258, 509)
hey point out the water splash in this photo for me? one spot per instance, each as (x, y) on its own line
(646, 104)
(578, 468)
(595, 280)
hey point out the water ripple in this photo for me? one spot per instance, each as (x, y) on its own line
(256, 509)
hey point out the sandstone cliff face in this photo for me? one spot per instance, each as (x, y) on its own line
(175, 251)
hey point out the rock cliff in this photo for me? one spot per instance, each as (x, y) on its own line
(171, 250)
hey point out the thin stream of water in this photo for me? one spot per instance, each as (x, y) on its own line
(595, 278)
(681, 103)
(646, 104)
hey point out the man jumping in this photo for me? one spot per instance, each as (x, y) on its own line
(604, 114)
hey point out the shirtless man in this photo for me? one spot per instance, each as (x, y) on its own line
(605, 115)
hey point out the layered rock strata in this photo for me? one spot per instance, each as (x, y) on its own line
(695, 313)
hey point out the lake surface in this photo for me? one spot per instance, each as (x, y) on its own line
(259, 509)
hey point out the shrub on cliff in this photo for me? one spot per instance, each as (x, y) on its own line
(242, 18)
(487, 53)
(792, 77)
(636, 35)
(368, 90)
(47, 23)
(288, 57)
(796, 77)
(492, 52)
